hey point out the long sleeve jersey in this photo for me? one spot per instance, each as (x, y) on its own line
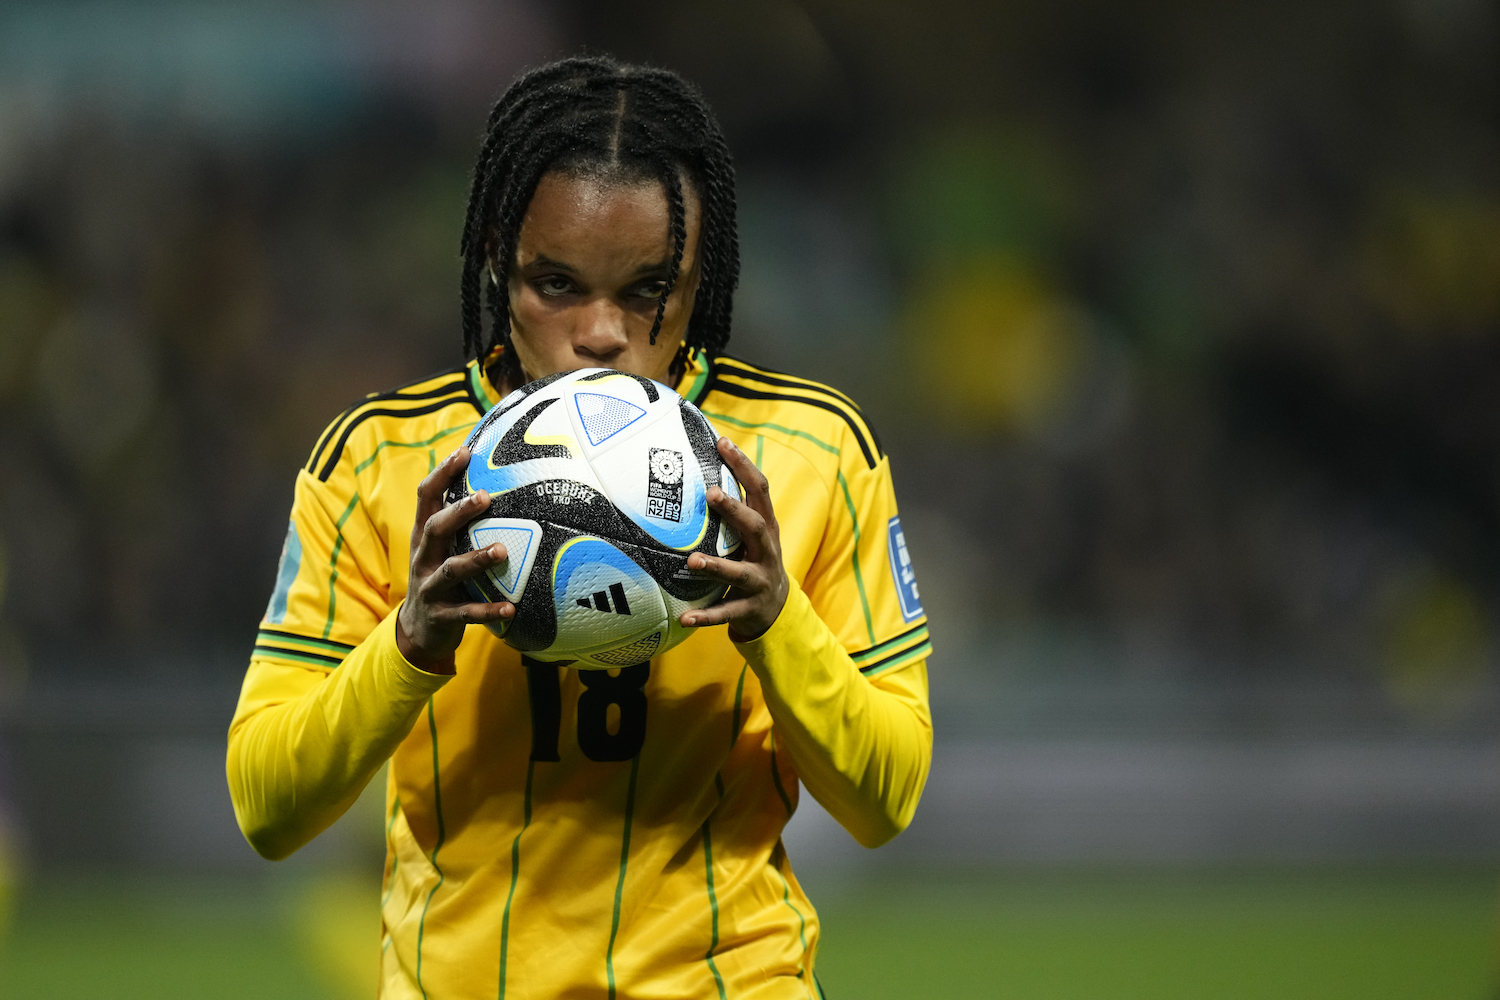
(538, 845)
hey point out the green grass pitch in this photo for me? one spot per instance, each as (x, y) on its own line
(1402, 934)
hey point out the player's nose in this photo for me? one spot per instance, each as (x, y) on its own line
(601, 335)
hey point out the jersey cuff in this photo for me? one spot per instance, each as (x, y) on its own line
(795, 633)
(410, 675)
(796, 607)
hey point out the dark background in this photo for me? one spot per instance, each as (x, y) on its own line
(1180, 321)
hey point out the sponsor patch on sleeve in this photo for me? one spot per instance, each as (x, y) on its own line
(286, 572)
(902, 572)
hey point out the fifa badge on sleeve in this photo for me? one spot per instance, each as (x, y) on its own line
(902, 572)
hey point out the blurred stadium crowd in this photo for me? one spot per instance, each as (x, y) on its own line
(1180, 321)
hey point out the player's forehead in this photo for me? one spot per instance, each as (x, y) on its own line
(590, 222)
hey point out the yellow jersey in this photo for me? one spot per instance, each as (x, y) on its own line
(554, 832)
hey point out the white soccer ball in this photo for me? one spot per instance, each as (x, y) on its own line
(598, 485)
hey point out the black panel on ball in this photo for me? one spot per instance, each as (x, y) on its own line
(535, 625)
(513, 446)
(651, 392)
(705, 447)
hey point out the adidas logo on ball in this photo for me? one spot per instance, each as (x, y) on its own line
(600, 600)
(594, 476)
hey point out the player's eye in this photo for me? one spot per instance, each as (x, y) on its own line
(652, 290)
(554, 284)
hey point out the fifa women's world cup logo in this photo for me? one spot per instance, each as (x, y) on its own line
(664, 493)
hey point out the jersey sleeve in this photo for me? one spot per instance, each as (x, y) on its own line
(333, 583)
(328, 695)
(843, 668)
(862, 582)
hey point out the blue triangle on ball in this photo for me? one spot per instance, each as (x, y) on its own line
(604, 416)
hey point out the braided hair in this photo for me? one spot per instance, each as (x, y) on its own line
(596, 117)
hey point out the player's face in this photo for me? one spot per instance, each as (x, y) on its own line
(590, 267)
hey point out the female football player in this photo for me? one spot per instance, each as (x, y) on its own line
(558, 832)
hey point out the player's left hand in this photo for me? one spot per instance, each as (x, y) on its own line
(758, 583)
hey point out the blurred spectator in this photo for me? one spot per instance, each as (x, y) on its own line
(1181, 322)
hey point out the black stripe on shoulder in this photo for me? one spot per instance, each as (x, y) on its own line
(299, 637)
(739, 366)
(328, 432)
(745, 392)
(744, 369)
(454, 377)
(337, 450)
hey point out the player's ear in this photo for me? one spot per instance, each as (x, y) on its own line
(490, 262)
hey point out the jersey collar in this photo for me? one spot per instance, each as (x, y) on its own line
(697, 377)
(484, 391)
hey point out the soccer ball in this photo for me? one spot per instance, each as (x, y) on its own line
(598, 485)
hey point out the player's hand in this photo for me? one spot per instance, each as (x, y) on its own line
(758, 583)
(431, 622)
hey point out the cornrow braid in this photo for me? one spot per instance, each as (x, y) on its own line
(598, 116)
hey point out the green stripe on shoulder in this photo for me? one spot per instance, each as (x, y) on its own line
(859, 576)
(425, 442)
(791, 431)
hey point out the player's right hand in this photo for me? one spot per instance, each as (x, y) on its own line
(431, 622)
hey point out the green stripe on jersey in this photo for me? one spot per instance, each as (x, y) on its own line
(859, 577)
(897, 660)
(327, 647)
(749, 426)
(291, 654)
(691, 395)
(362, 466)
(913, 635)
(713, 907)
(477, 384)
(437, 804)
(515, 876)
(614, 927)
(333, 563)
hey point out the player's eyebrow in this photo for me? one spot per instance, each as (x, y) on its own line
(542, 260)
